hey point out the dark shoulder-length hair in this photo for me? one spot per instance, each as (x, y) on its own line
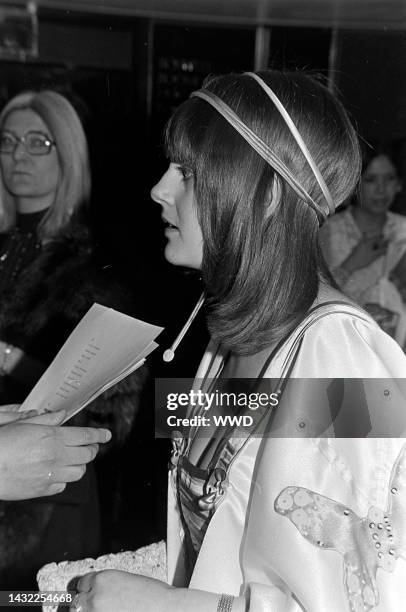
(261, 258)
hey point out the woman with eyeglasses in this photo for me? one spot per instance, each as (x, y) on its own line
(42, 184)
(45, 176)
(50, 275)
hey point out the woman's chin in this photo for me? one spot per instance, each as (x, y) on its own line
(178, 258)
(378, 208)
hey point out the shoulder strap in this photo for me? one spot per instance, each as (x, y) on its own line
(313, 316)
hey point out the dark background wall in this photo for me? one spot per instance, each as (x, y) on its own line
(127, 74)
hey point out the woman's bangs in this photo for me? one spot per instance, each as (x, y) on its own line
(178, 137)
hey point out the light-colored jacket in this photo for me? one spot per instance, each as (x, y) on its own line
(314, 524)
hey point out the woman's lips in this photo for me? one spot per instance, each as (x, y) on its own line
(382, 203)
(169, 226)
(171, 230)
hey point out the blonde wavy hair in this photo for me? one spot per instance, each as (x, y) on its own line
(71, 146)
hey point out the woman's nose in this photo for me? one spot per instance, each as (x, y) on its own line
(19, 151)
(160, 192)
(384, 189)
(155, 193)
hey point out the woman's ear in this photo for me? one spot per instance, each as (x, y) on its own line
(273, 196)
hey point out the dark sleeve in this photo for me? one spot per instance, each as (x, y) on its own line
(57, 295)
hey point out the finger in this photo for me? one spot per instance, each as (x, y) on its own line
(65, 474)
(80, 454)
(55, 488)
(10, 408)
(83, 436)
(29, 416)
(85, 583)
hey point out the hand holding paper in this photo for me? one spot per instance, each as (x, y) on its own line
(105, 347)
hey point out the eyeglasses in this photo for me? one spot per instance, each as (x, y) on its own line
(35, 143)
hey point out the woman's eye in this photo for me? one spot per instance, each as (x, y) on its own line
(371, 180)
(6, 141)
(186, 173)
(37, 142)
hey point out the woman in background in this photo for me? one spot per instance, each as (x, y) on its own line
(274, 521)
(50, 275)
(365, 245)
(45, 175)
(45, 180)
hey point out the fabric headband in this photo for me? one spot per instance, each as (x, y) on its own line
(266, 152)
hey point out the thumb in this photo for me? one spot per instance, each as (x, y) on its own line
(9, 417)
(48, 418)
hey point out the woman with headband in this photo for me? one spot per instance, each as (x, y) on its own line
(300, 513)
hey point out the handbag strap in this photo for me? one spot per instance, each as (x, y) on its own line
(226, 453)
